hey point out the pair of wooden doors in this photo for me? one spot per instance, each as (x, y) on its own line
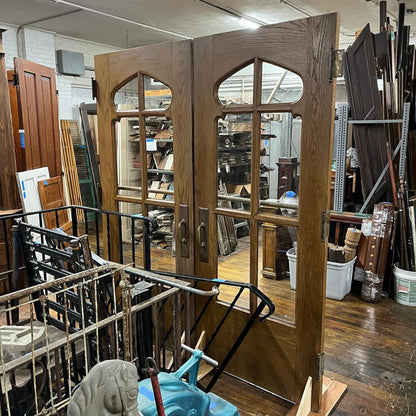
(276, 355)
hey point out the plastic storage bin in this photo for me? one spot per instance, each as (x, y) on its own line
(405, 286)
(338, 276)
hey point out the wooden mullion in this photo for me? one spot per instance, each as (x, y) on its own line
(255, 140)
(255, 181)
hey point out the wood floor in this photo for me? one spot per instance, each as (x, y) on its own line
(370, 347)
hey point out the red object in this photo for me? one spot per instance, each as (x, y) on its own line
(156, 392)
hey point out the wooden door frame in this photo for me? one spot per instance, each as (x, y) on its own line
(304, 47)
(171, 64)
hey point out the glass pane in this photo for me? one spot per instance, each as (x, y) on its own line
(159, 158)
(279, 85)
(132, 234)
(238, 88)
(277, 267)
(128, 157)
(280, 140)
(234, 161)
(163, 240)
(233, 236)
(127, 97)
(156, 94)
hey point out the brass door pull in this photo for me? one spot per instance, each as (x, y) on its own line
(182, 231)
(202, 243)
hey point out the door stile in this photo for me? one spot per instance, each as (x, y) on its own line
(314, 186)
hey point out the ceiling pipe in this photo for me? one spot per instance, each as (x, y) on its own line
(239, 16)
(123, 19)
(43, 19)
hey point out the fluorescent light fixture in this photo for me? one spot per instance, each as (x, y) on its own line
(248, 23)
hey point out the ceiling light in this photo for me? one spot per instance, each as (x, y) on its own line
(248, 23)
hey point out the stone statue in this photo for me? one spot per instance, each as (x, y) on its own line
(110, 388)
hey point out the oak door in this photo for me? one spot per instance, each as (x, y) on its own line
(144, 109)
(230, 143)
(203, 125)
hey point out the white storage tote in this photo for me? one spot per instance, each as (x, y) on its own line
(338, 276)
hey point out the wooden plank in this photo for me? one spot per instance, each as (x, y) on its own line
(70, 167)
(305, 402)
(39, 115)
(9, 197)
(51, 196)
(333, 393)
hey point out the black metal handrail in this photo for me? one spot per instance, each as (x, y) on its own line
(265, 301)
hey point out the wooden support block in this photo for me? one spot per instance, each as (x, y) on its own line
(332, 393)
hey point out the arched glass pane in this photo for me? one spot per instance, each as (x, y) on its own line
(238, 88)
(279, 85)
(127, 97)
(156, 94)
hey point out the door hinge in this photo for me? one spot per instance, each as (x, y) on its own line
(94, 88)
(15, 79)
(320, 358)
(324, 225)
(336, 63)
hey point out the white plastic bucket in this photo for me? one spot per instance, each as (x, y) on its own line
(338, 276)
(404, 286)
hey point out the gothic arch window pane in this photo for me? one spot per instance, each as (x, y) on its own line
(156, 94)
(127, 96)
(279, 85)
(238, 88)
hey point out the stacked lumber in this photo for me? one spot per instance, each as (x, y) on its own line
(68, 128)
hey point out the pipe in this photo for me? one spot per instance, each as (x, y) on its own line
(123, 19)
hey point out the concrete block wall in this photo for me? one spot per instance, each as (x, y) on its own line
(40, 46)
(9, 44)
(74, 90)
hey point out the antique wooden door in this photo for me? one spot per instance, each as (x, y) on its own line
(144, 109)
(38, 111)
(231, 135)
(220, 195)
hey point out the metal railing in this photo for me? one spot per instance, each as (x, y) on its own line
(145, 313)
